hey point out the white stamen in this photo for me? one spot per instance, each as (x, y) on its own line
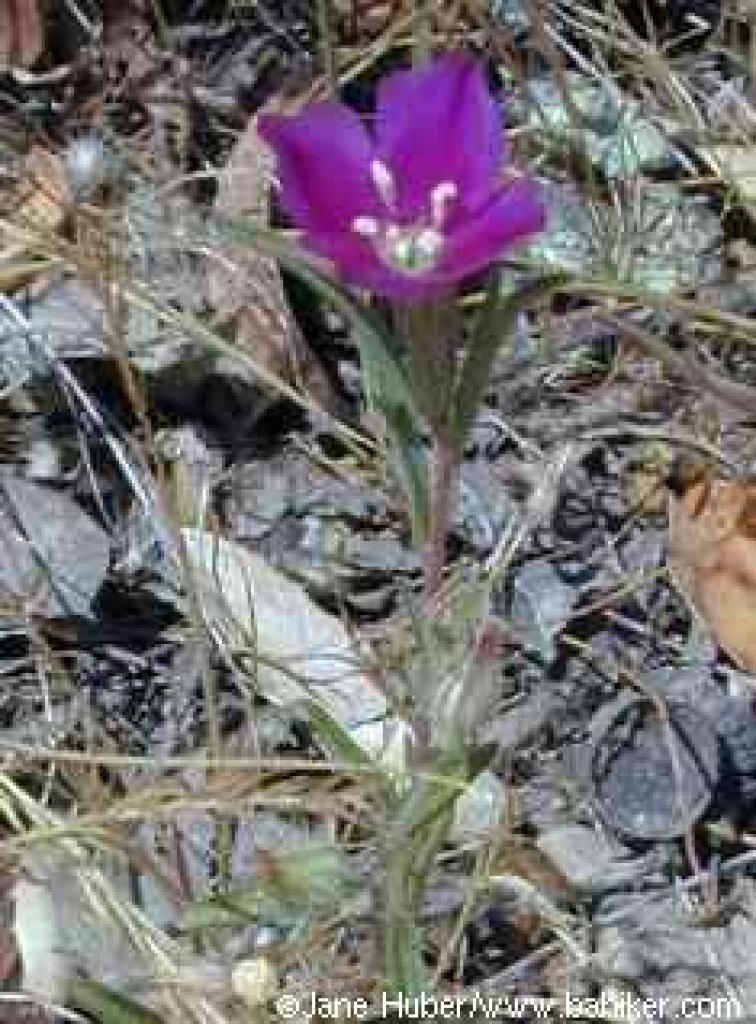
(441, 197)
(368, 227)
(383, 180)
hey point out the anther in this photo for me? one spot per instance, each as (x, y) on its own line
(368, 227)
(441, 197)
(383, 180)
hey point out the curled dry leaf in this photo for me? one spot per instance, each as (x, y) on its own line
(712, 552)
(297, 652)
(245, 287)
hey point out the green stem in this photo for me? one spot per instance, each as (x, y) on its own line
(422, 827)
(423, 32)
(494, 328)
(326, 45)
(433, 334)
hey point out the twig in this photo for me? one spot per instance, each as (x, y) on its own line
(68, 381)
(739, 396)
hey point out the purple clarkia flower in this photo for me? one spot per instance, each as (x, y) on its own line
(421, 202)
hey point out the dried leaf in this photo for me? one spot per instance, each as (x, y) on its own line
(21, 33)
(246, 288)
(37, 208)
(9, 958)
(525, 860)
(43, 192)
(736, 165)
(712, 545)
(303, 653)
(28, 36)
(6, 34)
(69, 921)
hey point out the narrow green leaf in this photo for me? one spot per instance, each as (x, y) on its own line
(374, 337)
(335, 736)
(108, 1006)
(409, 462)
(385, 382)
(494, 327)
(241, 905)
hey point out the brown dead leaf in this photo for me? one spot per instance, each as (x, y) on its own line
(131, 55)
(364, 19)
(712, 554)
(246, 288)
(8, 955)
(523, 859)
(42, 194)
(21, 33)
(28, 31)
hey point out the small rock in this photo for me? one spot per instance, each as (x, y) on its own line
(541, 605)
(652, 779)
(53, 556)
(478, 809)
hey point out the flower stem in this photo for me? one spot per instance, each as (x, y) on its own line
(433, 332)
(423, 32)
(443, 482)
(326, 45)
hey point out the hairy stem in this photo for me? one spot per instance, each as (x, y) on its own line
(444, 475)
(433, 334)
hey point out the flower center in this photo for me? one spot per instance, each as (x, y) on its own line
(409, 248)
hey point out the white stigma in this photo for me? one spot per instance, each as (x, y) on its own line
(442, 196)
(428, 245)
(414, 250)
(383, 180)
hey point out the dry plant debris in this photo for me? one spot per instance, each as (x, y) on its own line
(712, 540)
(217, 783)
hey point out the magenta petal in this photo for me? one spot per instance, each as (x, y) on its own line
(356, 259)
(323, 166)
(439, 123)
(511, 215)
